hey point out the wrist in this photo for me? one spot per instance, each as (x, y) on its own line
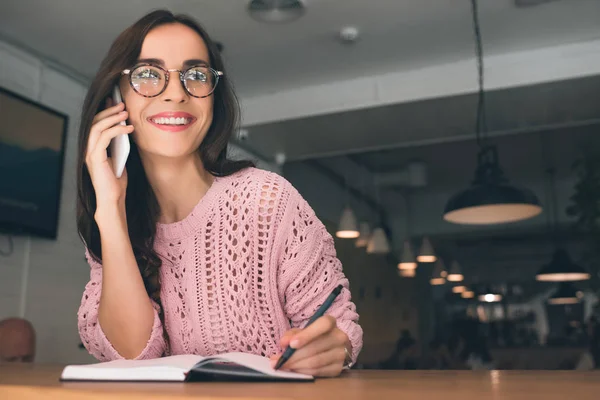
(110, 215)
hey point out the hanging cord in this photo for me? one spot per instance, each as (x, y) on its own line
(481, 121)
(555, 229)
(378, 203)
(346, 190)
(552, 207)
(11, 247)
(365, 186)
(407, 211)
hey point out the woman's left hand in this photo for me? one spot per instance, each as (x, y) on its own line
(319, 349)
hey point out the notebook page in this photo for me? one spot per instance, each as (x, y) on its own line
(172, 368)
(258, 363)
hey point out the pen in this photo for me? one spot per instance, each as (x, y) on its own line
(318, 314)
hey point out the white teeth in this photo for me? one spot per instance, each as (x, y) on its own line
(171, 121)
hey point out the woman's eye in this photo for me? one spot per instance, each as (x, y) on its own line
(197, 76)
(147, 74)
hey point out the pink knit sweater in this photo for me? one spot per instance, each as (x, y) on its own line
(249, 262)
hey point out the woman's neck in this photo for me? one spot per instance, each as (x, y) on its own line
(178, 184)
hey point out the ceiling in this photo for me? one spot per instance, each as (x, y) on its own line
(523, 158)
(262, 58)
(395, 36)
(535, 108)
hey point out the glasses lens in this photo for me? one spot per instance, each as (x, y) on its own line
(148, 80)
(200, 81)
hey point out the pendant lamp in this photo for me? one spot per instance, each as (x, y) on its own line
(348, 228)
(565, 294)
(407, 273)
(459, 289)
(490, 199)
(426, 253)
(407, 261)
(378, 244)
(455, 274)
(364, 235)
(276, 11)
(561, 268)
(438, 277)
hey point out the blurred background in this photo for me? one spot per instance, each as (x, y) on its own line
(370, 109)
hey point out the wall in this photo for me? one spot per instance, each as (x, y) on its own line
(43, 280)
(40, 270)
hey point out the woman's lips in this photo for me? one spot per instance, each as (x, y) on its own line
(172, 121)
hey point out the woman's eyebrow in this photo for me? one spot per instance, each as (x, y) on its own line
(186, 63)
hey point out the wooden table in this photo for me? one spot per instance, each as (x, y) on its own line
(41, 382)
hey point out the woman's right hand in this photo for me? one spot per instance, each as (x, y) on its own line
(109, 189)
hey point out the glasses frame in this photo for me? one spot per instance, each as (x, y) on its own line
(167, 72)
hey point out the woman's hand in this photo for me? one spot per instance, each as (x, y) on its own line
(319, 349)
(105, 126)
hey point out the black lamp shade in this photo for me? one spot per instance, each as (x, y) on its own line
(491, 199)
(565, 294)
(491, 204)
(562, 269)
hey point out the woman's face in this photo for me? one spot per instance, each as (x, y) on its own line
(172, 45)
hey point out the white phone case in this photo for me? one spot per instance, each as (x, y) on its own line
(119, 146)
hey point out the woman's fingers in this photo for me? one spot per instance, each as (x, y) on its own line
(98, 154)
(319, 345)
(320, 327)
(102, 125)
(316, 361)
(287, 337)
(108, 111)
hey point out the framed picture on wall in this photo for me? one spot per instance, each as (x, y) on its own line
(32, 147)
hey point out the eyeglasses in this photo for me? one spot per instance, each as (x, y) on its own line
(150, 80)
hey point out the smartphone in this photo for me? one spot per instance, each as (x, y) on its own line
(119, 146)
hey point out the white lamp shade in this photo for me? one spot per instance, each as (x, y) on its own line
(378, 244)
(364, 235)
(348, 228)
(407, 261)
(455, 274)
(439, 273)
(459, 289)
(491, 214)
(407, 273)
(426, 253)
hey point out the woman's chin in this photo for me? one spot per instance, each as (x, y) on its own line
(168, 152)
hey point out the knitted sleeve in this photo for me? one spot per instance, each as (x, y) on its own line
(90, 331)
(309, 269)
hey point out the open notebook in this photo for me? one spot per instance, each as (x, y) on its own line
(183, 368)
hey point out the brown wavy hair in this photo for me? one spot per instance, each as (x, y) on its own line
(140, 203)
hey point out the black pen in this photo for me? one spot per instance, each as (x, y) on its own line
(324, 307)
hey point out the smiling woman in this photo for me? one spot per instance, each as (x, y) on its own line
(190, 252)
